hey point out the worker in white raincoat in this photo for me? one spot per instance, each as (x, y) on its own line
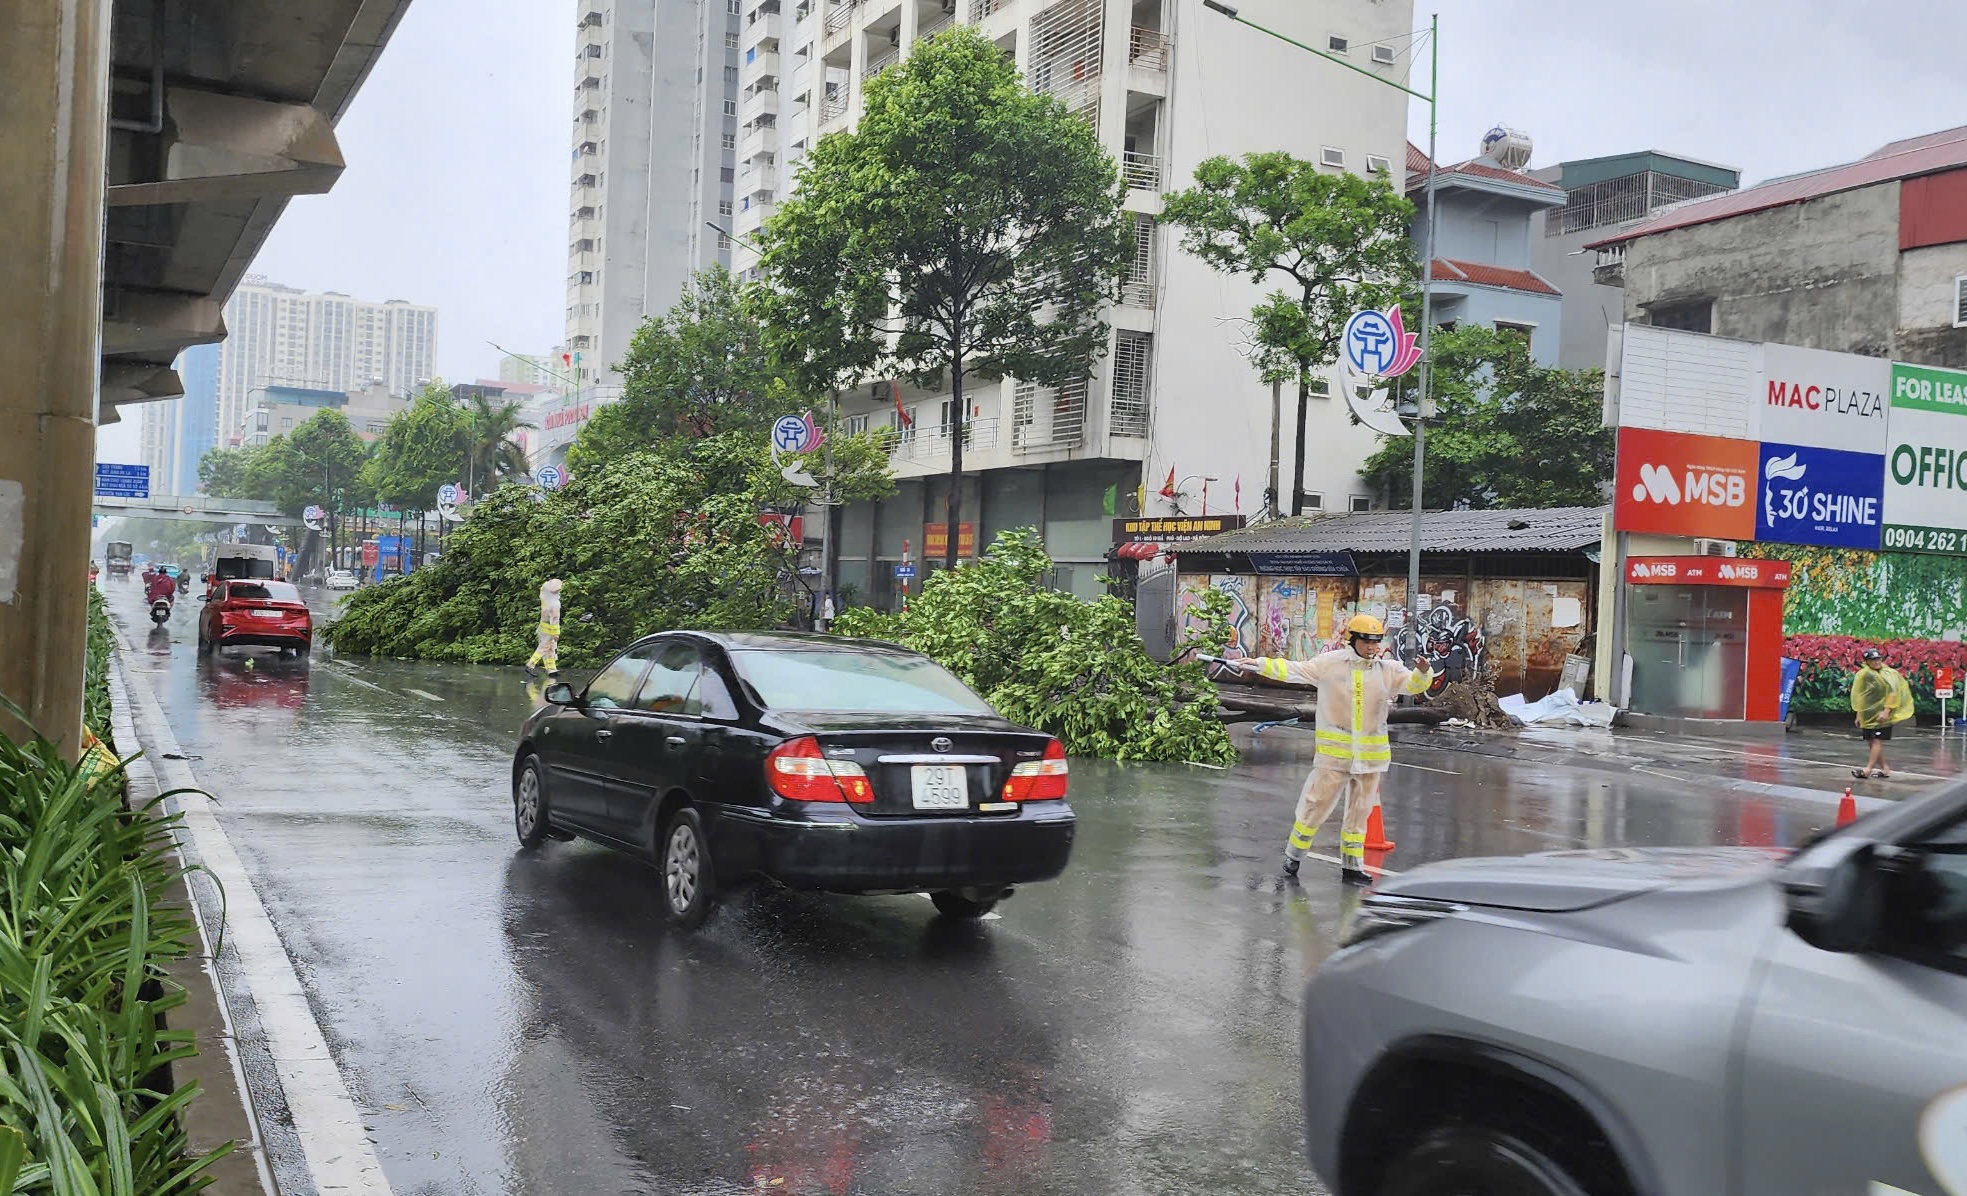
(548, 652)
(1356, 688)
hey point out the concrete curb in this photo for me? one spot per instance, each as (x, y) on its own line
(224, 1111)
(339, 1156)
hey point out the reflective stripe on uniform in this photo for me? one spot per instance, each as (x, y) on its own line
(1417, 682)
(1352, 846)
(1274, 669)
(549, 628)
(1301, 835)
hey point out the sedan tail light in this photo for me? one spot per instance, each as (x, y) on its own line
(798, 771)
(1039, 780)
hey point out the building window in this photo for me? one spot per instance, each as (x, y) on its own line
(1378, 164)
(1331, 156)
(730, 74)
(1313, 502)
(723, 242)
(286, 422)
(1337, 45)
(1695, 316)
(1519, 330)
(734, 7)
(726, 174)
(1960, 301)
(730, 141)
(731, 42)
(1319, 388)
(730, 107)
(853, 425)
(1361, 503)
(723, 207)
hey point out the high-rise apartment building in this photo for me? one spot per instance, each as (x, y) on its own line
(655, 85)
(177, 433)
(326, 341)
(1167, 84)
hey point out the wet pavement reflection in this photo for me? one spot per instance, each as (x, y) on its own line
(522, 1022)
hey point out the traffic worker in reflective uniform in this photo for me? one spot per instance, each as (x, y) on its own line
(1356, 688)
(548, 652)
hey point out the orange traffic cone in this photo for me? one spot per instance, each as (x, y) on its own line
(1376, 839)
(1847, 808)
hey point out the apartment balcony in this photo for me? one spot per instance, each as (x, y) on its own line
(878, 63)
(926, 444)
(1044, 418)
(833, 108)
(1139, 282)
(759, 143)
(1609, 269)
(759, 25)
(1148, 49)
(759, 62)
(840, 18)
(760, 99)
(984, 8)
(1142, 171)
(931, 26)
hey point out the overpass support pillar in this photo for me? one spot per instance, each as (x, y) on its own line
(54, 79)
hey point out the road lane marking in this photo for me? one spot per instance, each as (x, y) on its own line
(424, 693)
(1446, 772)
(339, 1155)
(348, 674)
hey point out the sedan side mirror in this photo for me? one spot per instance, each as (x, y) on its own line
(561, 694)
(1835, 892)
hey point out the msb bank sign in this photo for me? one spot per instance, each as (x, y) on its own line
(1741, 440)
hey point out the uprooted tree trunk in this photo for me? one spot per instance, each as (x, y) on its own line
(1473, 700)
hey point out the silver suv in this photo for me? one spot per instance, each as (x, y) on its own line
(1654, 1022)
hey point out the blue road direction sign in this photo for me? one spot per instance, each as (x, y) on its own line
(904, 572)
(122, 481)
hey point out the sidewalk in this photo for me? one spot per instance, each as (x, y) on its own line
(1809, 762)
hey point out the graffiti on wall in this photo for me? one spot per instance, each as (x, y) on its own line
(1447, 639)
(1242, 609)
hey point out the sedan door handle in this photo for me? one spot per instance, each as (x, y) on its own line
(677, 741)
(604, 733)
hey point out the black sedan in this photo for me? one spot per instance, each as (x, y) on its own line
(809, 760)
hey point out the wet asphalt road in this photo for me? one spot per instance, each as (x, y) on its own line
(522, 1023)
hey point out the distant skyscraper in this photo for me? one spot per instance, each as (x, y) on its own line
(324, 341)
(198, 413)
(654, 153)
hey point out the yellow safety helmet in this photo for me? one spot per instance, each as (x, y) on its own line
(1364, 625)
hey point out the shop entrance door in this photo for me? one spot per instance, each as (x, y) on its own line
(1689, 647)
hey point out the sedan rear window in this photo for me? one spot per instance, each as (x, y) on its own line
(845, 680)
(269, 591)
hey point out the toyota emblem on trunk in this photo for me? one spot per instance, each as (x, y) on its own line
(941, 743)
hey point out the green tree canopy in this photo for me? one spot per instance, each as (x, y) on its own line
(700, 369)
(226, 472)
(650, 541)
(966, 227)
(311, 464)
(1336, 243)
(1507, 432)
(421, 449)
(492, 453)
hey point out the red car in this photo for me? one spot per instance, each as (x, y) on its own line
(255, 613)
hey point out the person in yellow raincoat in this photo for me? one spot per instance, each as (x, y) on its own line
(548, 652)
(1356, 688)
(1881, 699)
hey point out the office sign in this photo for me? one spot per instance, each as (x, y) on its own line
(1173, 529)
(1675, 484)
(1821, 496)
(1823, 400)
(1926, 461)
(1304, 564)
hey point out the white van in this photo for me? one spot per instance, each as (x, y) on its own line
(242, 560)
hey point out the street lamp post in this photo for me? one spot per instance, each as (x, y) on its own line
(1425, 407)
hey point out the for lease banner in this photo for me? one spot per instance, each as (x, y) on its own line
(1926, 461)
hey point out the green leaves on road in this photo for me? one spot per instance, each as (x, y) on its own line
(1077, 670)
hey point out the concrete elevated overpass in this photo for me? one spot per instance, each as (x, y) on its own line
(197, 508)
(148, 149)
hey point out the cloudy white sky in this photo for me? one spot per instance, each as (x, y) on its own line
(455, 192)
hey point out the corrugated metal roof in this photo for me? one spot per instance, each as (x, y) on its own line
(1558, 529)
(1934, 152)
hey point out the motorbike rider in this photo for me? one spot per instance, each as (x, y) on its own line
(159, 586)
(1356, 688)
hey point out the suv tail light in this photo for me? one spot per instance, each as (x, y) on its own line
(798, 771)
(1039, 780)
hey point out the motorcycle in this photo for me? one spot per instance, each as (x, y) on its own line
(160, 610)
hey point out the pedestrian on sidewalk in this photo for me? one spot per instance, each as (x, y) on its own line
(1356, 688)
(1881, 699)
(548, 652)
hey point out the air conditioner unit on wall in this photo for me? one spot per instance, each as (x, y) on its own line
(1714, 548)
